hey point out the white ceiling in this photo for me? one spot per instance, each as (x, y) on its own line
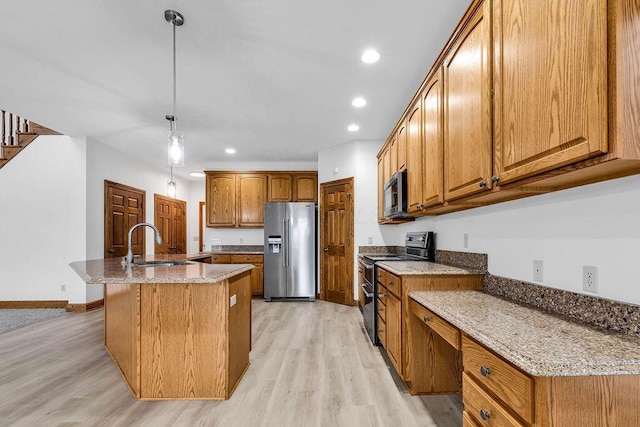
(272, 79)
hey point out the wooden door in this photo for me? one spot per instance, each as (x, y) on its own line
(123, 208)
(305, 188)
(252, 194)
(170, 218)
(280, 186)
(221, 200)
(433, 191)
(467, 109)
(336, 241)
(414, 159)
(402, 147)
(550, 81)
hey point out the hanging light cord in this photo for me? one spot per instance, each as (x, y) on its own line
(174, 124)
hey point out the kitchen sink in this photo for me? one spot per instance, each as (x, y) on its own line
(161, 263)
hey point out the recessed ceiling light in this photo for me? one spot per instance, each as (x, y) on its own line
(359, 102)
(370, 56)
(230, 151)
(353, 127)
(196, 174)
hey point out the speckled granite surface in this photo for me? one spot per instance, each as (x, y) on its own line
(372, 250)
(99, 271)
(541, 344)
(464, 259)
(237, 249)
(411, 268)
(609, 314)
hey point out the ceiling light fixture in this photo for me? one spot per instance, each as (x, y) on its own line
(353, 127)
(370, 56)
(171, 186)
(230, 151)
(359, 102)
(176, 140)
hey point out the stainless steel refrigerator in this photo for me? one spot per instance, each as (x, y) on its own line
(290, 251)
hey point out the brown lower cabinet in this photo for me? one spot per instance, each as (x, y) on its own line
(395, 319)
(257, 273)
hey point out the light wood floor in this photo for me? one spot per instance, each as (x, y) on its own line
(311, 365)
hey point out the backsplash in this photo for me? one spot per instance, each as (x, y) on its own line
(463, 259)
(614, 315)
(239, 248)
(370, 250)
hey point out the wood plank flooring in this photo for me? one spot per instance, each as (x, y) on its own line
(311, 365)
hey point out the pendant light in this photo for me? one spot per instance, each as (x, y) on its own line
(171, 186)
(176, 140)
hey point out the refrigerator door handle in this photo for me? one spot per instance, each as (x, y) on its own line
(286, 244)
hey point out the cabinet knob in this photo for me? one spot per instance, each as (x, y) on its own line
(426, 319)
(389, 283)
(482, 183)
(111, 250)
(325, 250)
(495, 179)
(485, 371)
(382, 295)
(485, 415)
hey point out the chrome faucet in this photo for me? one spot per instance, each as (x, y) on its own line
(130, 250)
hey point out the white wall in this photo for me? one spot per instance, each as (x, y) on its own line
(42, 221)
(235, 236)
(596, 225)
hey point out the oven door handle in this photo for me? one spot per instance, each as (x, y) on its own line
(366, 294)
(367, 266)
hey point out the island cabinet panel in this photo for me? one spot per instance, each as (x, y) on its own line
(252, 194)
(550, 77)
(221, 200)
(121, 330)
(183, 339)
(467, 108)
(239, 329)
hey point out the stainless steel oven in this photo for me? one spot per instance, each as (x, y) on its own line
(369, 307)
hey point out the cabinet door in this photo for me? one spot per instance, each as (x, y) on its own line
(257, 279)
(550, 81)
(252, 193)
(221, 200)
(402, 148)
(393, 157)
(415, 172)
(280, 188)
(467, 108)
(394, 329)
(387, 165)
(305, 188)
(381, 189)
(433, 191)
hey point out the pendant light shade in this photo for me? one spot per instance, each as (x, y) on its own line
(175, 145)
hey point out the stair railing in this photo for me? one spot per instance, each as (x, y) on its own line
(12, 125)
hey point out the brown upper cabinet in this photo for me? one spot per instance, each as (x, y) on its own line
(401, 161)
(536, 97)
(236, 199)
(252, 194)
(467, 108)
(393, 158)
(550, 82)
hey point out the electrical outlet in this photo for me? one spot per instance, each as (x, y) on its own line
(370, 240)
(63, 287)
(537, 270)
(465, 240)
(241, 240)
(590, 278)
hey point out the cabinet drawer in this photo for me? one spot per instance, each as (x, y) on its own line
(391, 282)
(382, 331)
(483, 407)
(467, 420)
(447, 331)
(221, 258)
(508, 383)
(246, 259)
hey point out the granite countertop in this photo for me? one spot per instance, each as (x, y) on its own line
(110, 271)
(409, 268)
(539, 343)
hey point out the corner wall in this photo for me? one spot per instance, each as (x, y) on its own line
(42, 221)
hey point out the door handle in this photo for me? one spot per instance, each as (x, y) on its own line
(325, 250)
(111, 250)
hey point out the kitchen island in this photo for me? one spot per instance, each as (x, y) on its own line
(177, 331)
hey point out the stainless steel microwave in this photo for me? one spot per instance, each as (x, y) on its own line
(395, 196)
